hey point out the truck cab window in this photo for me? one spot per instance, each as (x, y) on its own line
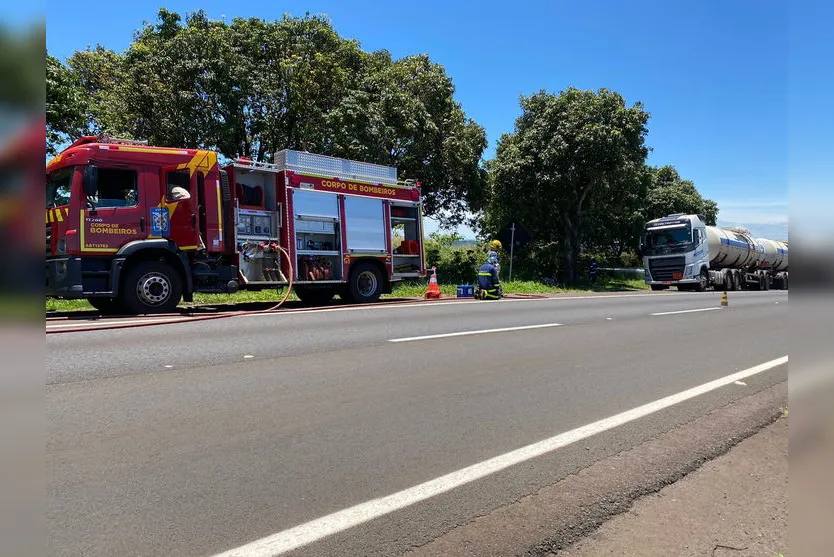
(178, 185)
(58, 187)
(117, 188)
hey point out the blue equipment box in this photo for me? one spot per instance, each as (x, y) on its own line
(466, 291)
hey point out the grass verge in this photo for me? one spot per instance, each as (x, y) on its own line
(414, 289)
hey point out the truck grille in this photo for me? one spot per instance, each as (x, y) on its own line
(48, 239)
(665, 267)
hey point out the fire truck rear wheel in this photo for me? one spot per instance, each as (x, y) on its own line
(152, 287)
(365, 284)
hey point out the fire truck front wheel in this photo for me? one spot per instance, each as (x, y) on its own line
(365, 283)
(151, 287)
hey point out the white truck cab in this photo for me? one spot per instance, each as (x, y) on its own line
(675, 252)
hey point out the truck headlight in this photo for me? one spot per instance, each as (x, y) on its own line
(688, 271)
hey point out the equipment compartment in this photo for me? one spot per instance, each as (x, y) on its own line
(405, 240)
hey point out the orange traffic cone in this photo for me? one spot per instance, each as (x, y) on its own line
(434, 289)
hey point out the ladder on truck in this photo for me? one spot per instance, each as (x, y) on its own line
(304, 162)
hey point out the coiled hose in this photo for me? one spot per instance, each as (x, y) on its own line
(193, 319)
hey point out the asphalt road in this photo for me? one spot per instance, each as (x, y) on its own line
(197, 438)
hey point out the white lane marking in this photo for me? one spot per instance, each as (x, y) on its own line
(339, 521)
(684, 311)
(481, 332)
(107, 323)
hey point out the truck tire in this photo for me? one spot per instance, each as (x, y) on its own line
(151, 287)
(106, 306)
(365, 284)
(701, 286)
(314, 296)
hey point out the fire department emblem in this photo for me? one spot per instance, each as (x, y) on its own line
(160, 221)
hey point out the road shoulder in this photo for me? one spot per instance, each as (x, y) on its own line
(565, 518)
(734, 505)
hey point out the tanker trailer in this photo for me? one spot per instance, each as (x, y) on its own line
(681, 250)
(774, 261)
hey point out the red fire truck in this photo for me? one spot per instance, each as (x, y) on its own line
(135, 228)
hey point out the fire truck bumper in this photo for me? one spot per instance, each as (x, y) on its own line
(63, 277)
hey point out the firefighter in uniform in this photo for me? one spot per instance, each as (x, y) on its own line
(489, 284)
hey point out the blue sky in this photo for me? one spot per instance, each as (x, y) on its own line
(719, 78)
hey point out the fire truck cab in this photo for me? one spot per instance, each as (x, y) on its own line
(135, 228)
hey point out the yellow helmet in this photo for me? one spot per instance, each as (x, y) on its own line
(495, 244)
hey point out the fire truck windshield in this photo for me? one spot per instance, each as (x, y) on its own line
(58, 187)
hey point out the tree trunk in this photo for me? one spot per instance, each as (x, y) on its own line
(571, 246)
(569, 249)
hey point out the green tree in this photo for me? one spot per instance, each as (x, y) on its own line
(253, 87)
(65, 104)
(616, 220)
(98, 74)
(569, 153)
(403, 114)
(668, 193)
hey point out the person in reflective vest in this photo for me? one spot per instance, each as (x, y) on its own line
(488, 281)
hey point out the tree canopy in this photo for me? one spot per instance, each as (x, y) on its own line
(252, 87)
(570, 155)
(668, 193)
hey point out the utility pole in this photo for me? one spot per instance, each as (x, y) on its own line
(512, 245)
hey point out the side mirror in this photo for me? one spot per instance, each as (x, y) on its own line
(90, 181)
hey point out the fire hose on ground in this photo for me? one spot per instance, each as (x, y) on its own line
(193, 319)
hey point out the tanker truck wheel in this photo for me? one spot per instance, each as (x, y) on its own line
(701, 286)
(151, 287)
